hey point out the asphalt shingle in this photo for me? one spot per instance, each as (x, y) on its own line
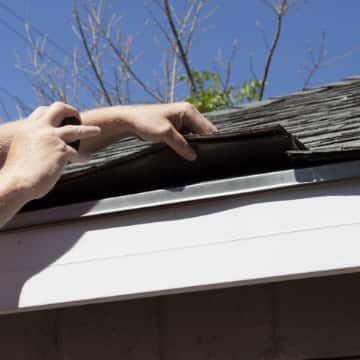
(327, 117)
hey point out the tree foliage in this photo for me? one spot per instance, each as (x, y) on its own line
(210, 96)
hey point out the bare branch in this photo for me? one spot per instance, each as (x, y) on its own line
(252, 67)
(163, 31)
(88, 53)
(319, 60)
(133, 74)
(263, 34)
(173, 75)
(21, 106)
(123, 58)
(229, 63)
(186, 23)
(117, 91)
(316, 62)
(182, 53)
(51, 80)
(342, 56)
(270, 5)
(5, 110)
(194, 24)
(280, 12)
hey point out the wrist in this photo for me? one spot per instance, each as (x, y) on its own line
(125, 119)
(114, 121)
(131, 117)
(14, 188)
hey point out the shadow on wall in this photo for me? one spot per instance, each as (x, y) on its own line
(26, 253)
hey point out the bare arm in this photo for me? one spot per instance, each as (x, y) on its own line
(159, 123)
(34, 151)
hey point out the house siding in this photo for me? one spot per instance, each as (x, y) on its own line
(299, 319)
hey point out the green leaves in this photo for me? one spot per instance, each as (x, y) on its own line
(211, 95)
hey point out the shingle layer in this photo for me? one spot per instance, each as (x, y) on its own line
(327, 117)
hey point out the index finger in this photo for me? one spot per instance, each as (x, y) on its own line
(71, 133)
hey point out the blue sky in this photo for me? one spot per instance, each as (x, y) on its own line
(232, 19)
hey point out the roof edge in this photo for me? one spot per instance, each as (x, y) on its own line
(196, 192)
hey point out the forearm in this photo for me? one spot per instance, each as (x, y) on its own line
(13, 197)
(7, 132)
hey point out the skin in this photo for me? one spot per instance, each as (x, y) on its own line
(34, 151)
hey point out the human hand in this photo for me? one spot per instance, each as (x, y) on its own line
(39, 149)
(164, 123)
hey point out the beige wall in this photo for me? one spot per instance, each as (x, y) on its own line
(292, 320)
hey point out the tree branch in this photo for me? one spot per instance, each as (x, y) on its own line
(22, 107)
(131, 72)
(123, 57)
(280, 12)
(182, 54)
(5, 110)
(316, 63)
(88, 53)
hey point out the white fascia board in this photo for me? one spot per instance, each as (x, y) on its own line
(251, 238)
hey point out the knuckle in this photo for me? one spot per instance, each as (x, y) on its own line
(59, 106)
(37, 113)
(186, 110)
(188, 107)
(42, 133)
(48, 133)
(62, 147)
(40, 109)
(76, 132)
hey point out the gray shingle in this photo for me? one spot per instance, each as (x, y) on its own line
(325, 117)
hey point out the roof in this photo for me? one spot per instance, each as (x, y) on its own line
(321, 125)
(207, 234)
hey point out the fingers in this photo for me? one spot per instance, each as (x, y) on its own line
(74, 156)
(178, 143)
(71, 133)
(195, 121)
(57, 111)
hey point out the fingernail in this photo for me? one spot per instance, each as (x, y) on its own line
(192, 156)
(84, 157)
